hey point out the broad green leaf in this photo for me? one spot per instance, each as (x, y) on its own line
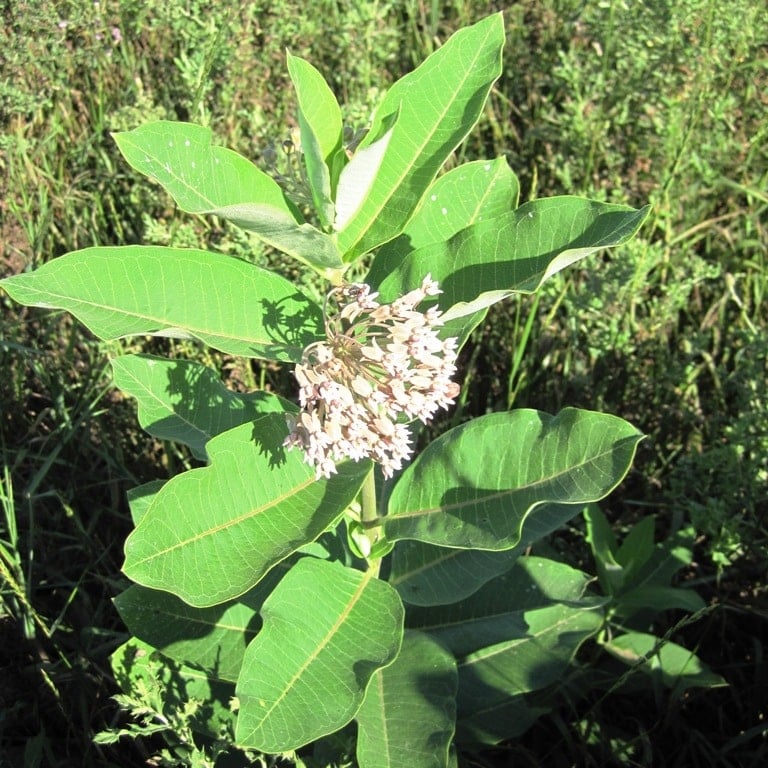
(141, 497)
(212, 533)
(207, 179)
(185, 401)
(637, 546)
(656, 598)
(321, 131)
(409, 712)
(493, 680)
(672, 665)
(669, 556)
(470, 193)
(497, 611)
(437, 105)
(138, 668)
(327, 630)
(512, 253)
(211, 639)
(475, 486)
(425, 574)
(133, 290)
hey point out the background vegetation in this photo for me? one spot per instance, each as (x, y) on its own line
(662, 102)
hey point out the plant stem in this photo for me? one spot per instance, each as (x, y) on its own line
(369, 514)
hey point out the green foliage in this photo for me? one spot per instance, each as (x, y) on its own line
(618, 102)
(215, 534)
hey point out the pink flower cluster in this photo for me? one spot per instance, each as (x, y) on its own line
(380, 366)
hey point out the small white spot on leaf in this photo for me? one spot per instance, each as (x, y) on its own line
(444, 211)
(433, 198)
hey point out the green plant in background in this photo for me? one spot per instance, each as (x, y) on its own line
(317, 590)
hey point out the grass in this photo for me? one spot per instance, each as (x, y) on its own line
(628, 102)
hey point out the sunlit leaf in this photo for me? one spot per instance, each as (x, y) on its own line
(437, 104)
(212, 533)
(327, 630)
(512, 253)
(475, 486)
(203, 178)
(672, 665)
(224, 302)
(320, 129)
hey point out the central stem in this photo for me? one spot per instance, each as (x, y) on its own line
(369, 513)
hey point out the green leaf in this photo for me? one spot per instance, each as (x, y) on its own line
(425, 574)
(224, 302)
(438, 103)
(409, 713)
(513, 253)
(497, 611)
(211, 534)
(141, 497)
(206, 179)
(475, 486)
(327, 629)
(670, 664)
(321, 132)
(140, 669)
(212, 639)
(185, 401)
(463, 196)
(318, 105)
(357, 177)
(602, 542)
(656, 598)
(493, 681)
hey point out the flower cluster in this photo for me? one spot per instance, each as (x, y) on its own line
(380, 366)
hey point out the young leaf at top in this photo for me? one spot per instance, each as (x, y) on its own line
(327, 630)
(136, 290)
(185, 401)
(212, 533)
(472, 192)
(320, 128)
(409, 712)
(437, 104)
(207, 179)
(475, 486)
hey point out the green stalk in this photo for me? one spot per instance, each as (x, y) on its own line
(369, 515)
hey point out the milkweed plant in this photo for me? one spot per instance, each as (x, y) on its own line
(315, 571)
